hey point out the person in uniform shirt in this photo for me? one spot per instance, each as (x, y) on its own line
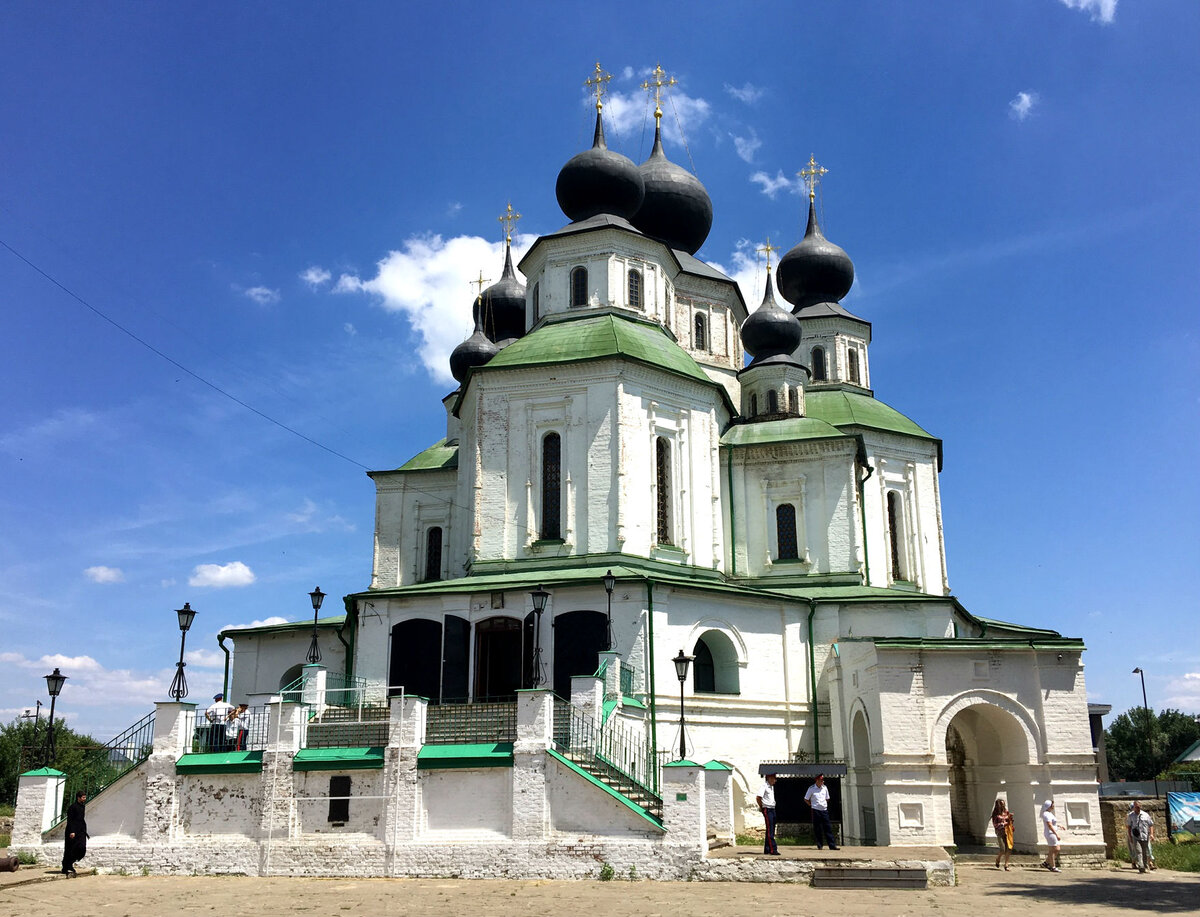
(766, 805)
(817, 798)
(217, 716)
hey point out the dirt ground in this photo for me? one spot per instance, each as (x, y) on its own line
(981, 890)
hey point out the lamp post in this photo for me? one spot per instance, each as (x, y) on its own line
(609, 582)
(178, 690)
(314, 651)
(1149, 724)
(681, 669)
(540, 597)
(54, 684)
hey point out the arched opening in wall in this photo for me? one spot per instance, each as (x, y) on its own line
(754, 405)
(635, 289)
(859, 780)
(772, 402)
(988, 758)
(700, 334)
(852, 357)
(715, 670)
(579, 286)
(818, 364)
(456, 660)
(537, 302)
(291, 676)
(896, 535)
(433, 554)
(662, 462)
(579, 638)
(499, 658)
(416, 663)
(551, 527)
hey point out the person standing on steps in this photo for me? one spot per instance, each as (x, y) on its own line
(1052, 831)
(817, 799)
(75, 835)
(1002, 822)
(766, 805)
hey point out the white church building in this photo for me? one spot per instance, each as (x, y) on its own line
(668, 473)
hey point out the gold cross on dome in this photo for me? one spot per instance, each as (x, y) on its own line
(508, 220)
(479, 283)
(812, 175)
(768, 248)
(656, 86)
(598, 84)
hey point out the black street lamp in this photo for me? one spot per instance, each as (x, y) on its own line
(314, 651)
(540, 596)
(178, 690)
(1149, 725)
(609, 582)
(681, 669)
(54, 684)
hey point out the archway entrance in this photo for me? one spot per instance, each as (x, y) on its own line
(579, 638)
(859, 780)
(988, 757)
(498, 658)
(431, 660)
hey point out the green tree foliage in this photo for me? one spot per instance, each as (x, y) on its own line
(21, 734)
(1141, 744)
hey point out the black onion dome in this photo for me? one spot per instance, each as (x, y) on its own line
(815, 270)
(503, 305)
(676, 209)
(474, 351)
(770, 331)
(599, 181)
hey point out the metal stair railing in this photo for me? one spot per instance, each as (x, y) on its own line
(104, 766)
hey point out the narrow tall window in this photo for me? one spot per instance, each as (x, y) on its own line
(663, 477)
(753, 405)
(551, 487)
(537, 301)
(579, 286)
(635, 289)
(852, 357)
(339, 800)
(433, 555)
(700, 338)
(772, 402)
(785, 531)
(896, 531)
(818, 364)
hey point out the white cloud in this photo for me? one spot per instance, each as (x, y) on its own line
(263, 295)
(1020, 107)
(453, 208)
(747, 146)
(428, 280)
(205, 659)
(748, 92)
(105, 575)
(627, 73)
(90, 684)
(221, 576)
(314, 276)
(748, 269)
(772, 186)
(168, 583)
(65, 424)
(350, 329)
(1183, 693)
(626, 112)
(309, 519)
(1099, 10)
(264, 622)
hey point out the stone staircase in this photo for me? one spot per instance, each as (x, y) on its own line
(611, 776)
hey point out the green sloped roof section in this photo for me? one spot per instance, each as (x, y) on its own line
(441, 456)
(44, 772)
(331, 621)
(786, 430)
(591, 336)
(470, 754)
(853, 409)
(225, 762)
(338, 759)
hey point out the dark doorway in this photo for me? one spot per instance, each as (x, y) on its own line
(456, 660)
(579, 638)
(416, 658)
(498, 658)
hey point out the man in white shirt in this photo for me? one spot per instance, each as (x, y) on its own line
(216, 715)
(1141, 833)
(766, 805)
(817, 798)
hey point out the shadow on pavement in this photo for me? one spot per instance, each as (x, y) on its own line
(1129, 890)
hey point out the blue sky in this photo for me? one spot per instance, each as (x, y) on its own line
(288, 200)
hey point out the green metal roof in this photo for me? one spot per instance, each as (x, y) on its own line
(471, 754)
(583, 336)
(786, 430)
(970, 643)
(331, 621)
(225, 762)
(44, 772)
(338, 759)
(852, 409)
(438, 457)
(717, 766)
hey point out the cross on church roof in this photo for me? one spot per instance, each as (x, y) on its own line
(508, 220)
(656, 86)
(479, 283)
(768, 248)
(812, 175)
(598, 85)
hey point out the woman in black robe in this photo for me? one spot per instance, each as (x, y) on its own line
(76, 834)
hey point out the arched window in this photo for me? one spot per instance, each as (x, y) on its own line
(579, 286)
(700, 337)
(753, 405)
(818, 364)
(537, 301)
(705, 679)
(716, 666)
(433, 555)
(895, 519)
(852, 357)
(772, 402)
(663, 479)
(635, 289)
(785, 531)
(551, 529)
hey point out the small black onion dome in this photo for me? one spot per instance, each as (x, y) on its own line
(503, 305)
(770, 331)
(599, 181)
(474, 351)
(676, 209)
(815, 270)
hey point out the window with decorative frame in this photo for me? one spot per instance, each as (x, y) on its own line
(895, 521)
(700, 333)
(635, 289)
(852, 361)
(433, 554)
(579, 286)
(551, 517)
(662, 467)
(818, 364)
(785, 532)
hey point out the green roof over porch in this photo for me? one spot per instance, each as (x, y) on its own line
(475, 754)
(225, 762)
(338, 759)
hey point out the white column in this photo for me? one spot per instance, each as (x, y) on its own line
(39, 802)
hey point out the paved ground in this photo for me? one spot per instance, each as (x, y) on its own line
(981, 891)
